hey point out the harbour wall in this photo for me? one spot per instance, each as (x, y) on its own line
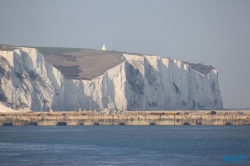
(129, 118)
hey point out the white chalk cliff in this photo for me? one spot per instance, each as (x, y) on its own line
(139, 82)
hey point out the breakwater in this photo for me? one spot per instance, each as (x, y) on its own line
(221, 117)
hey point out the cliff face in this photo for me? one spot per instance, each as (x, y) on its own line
(129, 82)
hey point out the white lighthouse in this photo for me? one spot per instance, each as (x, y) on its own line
(104, 47)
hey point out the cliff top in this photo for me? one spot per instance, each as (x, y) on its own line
(4, 47)
(81, 63)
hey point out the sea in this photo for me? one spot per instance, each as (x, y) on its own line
(125, 145)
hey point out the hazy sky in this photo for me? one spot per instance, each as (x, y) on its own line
(216, 32)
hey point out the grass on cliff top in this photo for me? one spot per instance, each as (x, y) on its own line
(204, 69)
(55, 50)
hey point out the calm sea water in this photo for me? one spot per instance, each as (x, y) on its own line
(123, 145)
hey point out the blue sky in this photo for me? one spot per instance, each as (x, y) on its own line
(216, 32)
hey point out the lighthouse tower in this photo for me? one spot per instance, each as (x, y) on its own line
(104, 47)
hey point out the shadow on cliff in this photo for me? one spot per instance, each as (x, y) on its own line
(108, 93)
(172, 87)
(136, 84)
(154, 86)
(3, 73)
(7, 72)
(63, 94)
(55, 106)
(38, 100)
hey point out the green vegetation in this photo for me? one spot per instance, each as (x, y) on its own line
(43, 50)
(204, 69)
(55, 50)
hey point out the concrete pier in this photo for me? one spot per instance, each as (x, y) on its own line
(176, 117)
